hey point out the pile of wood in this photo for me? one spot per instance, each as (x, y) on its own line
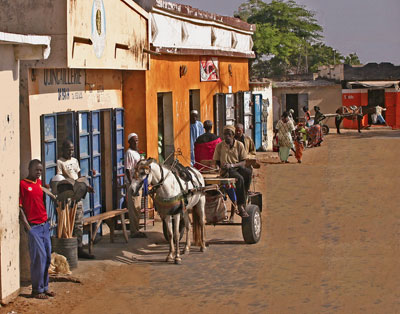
(66, 212)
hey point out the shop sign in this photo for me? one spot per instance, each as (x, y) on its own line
(67, 84)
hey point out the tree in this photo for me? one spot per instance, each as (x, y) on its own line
(288, 39)
(321, 54)
(352, 59)
(248, 8)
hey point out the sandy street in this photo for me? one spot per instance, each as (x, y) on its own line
(330, 244)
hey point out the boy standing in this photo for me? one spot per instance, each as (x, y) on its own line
(31, 202)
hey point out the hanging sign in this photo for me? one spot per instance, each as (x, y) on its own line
(209, 70)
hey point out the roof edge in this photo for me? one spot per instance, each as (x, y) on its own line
(34, 40)
(188, 11)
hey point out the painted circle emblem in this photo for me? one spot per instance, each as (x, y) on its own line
(98, 27)
(29, 189)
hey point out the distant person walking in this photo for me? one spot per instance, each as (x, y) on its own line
(307, 116)
(285, 128)
(299, 142)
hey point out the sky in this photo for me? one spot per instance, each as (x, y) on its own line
(371, 28)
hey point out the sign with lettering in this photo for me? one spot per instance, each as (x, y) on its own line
(62, 77)
(67, 84)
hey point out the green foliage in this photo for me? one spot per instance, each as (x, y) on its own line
(287, 39)
(352, 59)
(321, 54)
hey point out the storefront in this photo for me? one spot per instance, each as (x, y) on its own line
(197, 55)
(76, 94)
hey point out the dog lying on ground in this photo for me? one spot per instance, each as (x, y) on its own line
(59, 265)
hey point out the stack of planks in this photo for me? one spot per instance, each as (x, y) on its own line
(66, 212)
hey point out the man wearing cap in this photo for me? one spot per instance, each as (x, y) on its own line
(132, 157)
(230, 155)
(196, 129)
(68, 166)
(245, 140)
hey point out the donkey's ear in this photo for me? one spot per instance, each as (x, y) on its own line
(149, 161)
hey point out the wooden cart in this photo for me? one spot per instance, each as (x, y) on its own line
(218, 201)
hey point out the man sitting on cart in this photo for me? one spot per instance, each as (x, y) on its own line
(230, 155)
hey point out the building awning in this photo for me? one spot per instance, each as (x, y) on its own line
(19, 40)
(376, 84)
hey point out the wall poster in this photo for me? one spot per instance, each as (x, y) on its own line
(209, 70)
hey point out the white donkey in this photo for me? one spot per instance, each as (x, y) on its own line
(170, 197)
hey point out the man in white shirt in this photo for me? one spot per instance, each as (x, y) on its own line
(379, 116)
(68, 166)
(132, 157)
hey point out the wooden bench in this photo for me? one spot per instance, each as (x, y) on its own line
(98, 219)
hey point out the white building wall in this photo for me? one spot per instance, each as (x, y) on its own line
(9, 174)
(167, 32)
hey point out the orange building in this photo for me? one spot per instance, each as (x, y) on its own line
(195, 55)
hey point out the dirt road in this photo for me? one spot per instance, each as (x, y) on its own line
(330, 244)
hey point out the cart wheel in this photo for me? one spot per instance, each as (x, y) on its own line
(325, 129)
(181, 228)
(251, 226)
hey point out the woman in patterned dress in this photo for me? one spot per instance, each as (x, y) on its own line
(285, 128)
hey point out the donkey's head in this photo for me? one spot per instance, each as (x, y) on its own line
(142, 171)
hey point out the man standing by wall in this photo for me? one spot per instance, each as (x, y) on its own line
(132, 157)
(35, 220)
(196, 129)
(68, 166)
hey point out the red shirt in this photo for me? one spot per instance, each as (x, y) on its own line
(31, 200)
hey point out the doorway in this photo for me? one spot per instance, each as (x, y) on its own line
(194, 101)
(376, 97)
(166, 144)
(292, 102)
(106, 160)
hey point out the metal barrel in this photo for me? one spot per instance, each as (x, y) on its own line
(67, 248)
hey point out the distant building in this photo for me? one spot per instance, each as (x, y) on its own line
(323, 93)
(368, 85)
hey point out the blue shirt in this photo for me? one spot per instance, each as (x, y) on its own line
(196, 129)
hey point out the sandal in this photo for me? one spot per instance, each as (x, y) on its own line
(50, 293)
(41, 296)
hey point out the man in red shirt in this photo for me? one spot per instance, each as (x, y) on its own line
(31, 201)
